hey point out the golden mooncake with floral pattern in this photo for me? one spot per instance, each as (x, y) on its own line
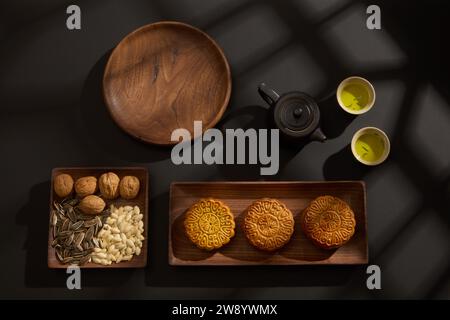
(209, 224)
(329, 222)
(268, 224)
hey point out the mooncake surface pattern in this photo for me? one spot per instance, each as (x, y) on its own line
(329, 222)
(209, 224)
(268, 224)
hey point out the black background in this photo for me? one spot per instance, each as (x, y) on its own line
(52, 114)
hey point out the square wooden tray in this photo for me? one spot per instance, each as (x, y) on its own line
(141, 200)
(238, 196)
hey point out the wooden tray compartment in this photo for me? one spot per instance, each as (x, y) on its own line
(238, 196)
(141, 201)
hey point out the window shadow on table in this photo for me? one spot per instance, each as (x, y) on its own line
(102, 132)
(34, 215)
(255, 117)
(160, 274)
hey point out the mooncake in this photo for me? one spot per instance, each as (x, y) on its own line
(328, 221)
(209, 224)
(268, 224)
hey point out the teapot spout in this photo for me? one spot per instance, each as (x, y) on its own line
(318, 135)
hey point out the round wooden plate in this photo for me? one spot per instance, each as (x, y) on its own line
(164, 76)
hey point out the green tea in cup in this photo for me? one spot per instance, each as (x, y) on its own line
(355, 95)
(370, 146)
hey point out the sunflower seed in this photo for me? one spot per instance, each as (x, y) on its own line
(74, 232)
(99, 221)
(77, 225)
(69, 240)
(89, 223)
(67, 260)
(58, 207)
(84, 217)
(78, 212)
(66, 253)
(79, 255)
(79, 238)
(55, 231)
(71, 214)
(59, 256)
(73, 202)
(54, 218)
(85, 259)
(63, 234)
(61, 218)
(89, 233)
(54, 242)
(65, 225)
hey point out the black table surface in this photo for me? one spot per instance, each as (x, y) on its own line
(52, 115)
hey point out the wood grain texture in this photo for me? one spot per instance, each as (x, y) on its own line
(141, 201)
(162, 77)
(238, 196)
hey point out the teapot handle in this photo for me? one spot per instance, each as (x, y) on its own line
(269, 95)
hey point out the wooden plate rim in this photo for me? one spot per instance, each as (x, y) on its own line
(182, 25)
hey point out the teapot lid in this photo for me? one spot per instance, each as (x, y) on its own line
(297, 114)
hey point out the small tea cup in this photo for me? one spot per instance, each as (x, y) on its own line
(370, 146)
(355, 95)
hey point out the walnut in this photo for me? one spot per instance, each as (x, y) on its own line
(129, 187)
(109, 185)
(86, 186)
(92, 205)
(63, 185)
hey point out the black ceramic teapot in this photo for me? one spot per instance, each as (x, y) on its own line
(296, 114)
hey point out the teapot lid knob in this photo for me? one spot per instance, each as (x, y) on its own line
(298, 112)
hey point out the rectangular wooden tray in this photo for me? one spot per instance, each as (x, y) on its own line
(141, 201)
(238, 196)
